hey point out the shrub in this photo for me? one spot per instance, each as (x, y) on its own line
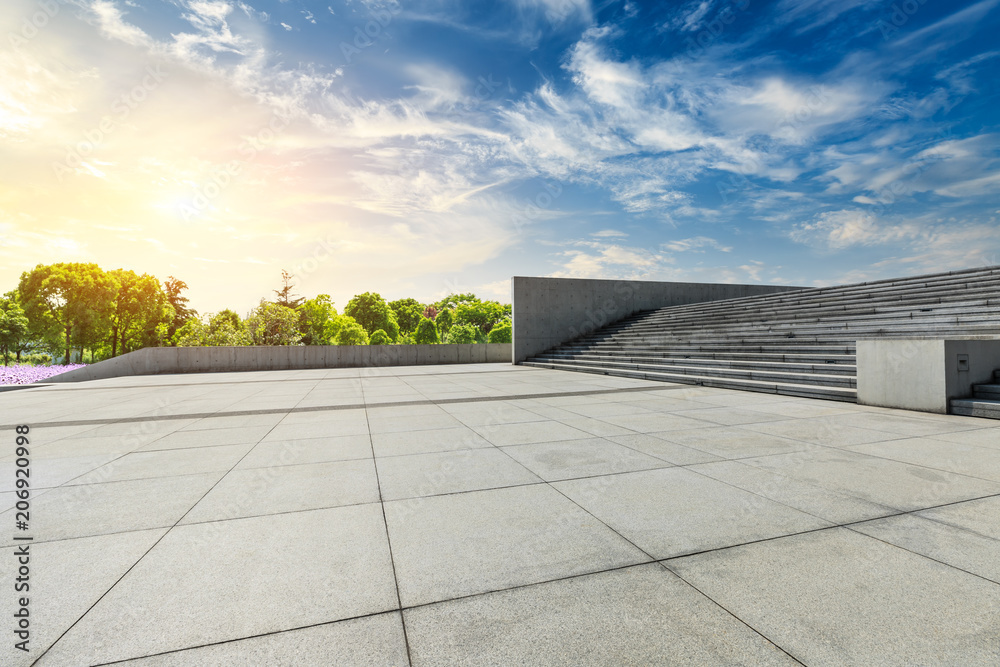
(379, 338)
(461, 334)
(426, 333)
(500, 334)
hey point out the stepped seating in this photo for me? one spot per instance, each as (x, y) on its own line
(799, 343)
(985, 401)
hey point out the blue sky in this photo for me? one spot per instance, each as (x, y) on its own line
(427, 147)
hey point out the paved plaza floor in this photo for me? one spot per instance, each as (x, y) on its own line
(494, 515)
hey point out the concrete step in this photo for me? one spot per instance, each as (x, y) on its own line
(789, 389)
(976, 408)
(741, 364)
(832, 359)
(825, 380)
(988, 392)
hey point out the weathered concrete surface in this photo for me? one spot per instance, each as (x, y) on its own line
(170, 360)
(550, 311)
(236, 519)
(923, 374)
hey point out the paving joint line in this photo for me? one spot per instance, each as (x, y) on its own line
(348, 406)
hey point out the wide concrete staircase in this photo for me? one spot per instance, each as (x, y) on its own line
(799, 343)
(985, 401)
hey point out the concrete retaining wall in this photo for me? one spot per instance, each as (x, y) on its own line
(551, 311)
(167, 360)
(923, 374)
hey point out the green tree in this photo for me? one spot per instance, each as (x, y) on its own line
(483, 315)
(500, 334)
(273, 324)
(13, 329)
(314, 315)
(173, 288)
(426, 333)
(139, 308)
(379, 338)
(408, 313)
(372, 312)
(461, 333)
(69, 300)
(222, 329)
(453, 300)
(351, 333)
(285, 296)
(444, 320)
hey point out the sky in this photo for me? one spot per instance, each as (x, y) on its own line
(429, 147)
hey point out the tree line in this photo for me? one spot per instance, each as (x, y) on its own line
(57, 308)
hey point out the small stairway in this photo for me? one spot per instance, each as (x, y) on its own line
(985, 401)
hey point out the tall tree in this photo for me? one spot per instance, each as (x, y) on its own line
(72, 299)
(173, 288)
(140, 306)
(285, 296)
(313, 317)
(273, 324)
(372, 312)
(13, 328)
(408, 313)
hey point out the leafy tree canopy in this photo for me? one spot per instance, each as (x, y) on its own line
(314, 315)
(351, 333)
(273, 324)
(444, 320)
(453, 300)
(426, 333)
(408, 313)
(372, 312)
(68, 300)
(461, 333)
(500, 334)
(379, 338)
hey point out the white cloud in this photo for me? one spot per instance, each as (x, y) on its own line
(695, 245)
(837, 230)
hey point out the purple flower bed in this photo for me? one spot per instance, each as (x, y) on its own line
(28, 374)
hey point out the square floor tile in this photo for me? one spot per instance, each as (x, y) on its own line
(66, 578)
(167, 463)
(673, 511)
(640, 615)
(228, 580)
(249, 435)
(258, 491)
(308, 450)
(567, 459)
(964, 549)
(115, 507)
(810, 498)
(456, 545)
(729, 442)
(450, 472)
(890, 483)
(426, 442)
(982, 462)
(522, 434)
(654, 444)
(835, 597)
(372, 641)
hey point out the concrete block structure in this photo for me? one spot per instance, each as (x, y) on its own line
(171, 360)
(923, 374)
